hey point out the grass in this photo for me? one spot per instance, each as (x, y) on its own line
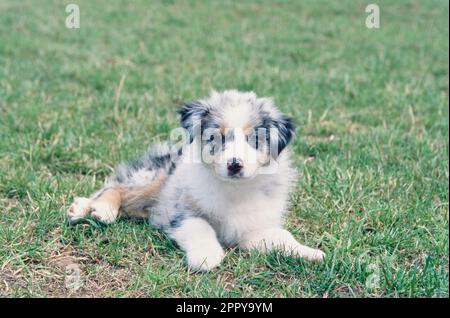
(372, 146)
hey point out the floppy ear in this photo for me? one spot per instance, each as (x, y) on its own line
(286, 129)
(191, 114)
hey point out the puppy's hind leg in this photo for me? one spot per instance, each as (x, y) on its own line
(105, 204)
(105, 207)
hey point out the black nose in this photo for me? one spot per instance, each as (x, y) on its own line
(234, 165)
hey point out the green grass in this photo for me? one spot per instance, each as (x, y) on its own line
(372, 146)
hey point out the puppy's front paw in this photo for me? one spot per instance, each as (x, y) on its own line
(310, 254)
(78, 209)
(205, 259)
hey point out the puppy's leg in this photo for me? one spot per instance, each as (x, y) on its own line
(81, 207)
(136, 200)
(198, 239)
(105, 207)
(106, 203)
(277, 238)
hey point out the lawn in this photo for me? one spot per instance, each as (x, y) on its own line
(372, 145)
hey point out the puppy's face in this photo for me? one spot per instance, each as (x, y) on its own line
(238, 133)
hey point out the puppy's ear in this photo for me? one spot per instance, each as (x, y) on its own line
(191, 115)
(286, 128)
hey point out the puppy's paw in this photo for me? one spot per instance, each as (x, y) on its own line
(205, 259)
(310, 254)
(78, 209)
(104, 212)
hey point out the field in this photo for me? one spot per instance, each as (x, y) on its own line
(372, 145)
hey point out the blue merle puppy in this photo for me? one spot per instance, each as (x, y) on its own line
(226, 183)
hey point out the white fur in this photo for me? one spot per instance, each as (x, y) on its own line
(238, 213)
(79, 209)
(142, 176)
(104, 212)
(198, 239)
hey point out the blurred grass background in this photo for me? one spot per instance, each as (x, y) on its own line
(372, 146)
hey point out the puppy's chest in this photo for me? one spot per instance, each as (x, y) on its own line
(234, 215)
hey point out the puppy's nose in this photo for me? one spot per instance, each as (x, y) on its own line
(235, 165)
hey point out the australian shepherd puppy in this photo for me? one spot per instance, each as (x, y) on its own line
(223, 181)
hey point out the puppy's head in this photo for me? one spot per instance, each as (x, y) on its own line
(238, 133)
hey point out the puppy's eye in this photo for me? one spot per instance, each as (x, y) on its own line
(252, 140)
(259, 139)
(215, 143)
(212, 145)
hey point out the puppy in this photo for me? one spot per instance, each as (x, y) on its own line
(225, 181)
